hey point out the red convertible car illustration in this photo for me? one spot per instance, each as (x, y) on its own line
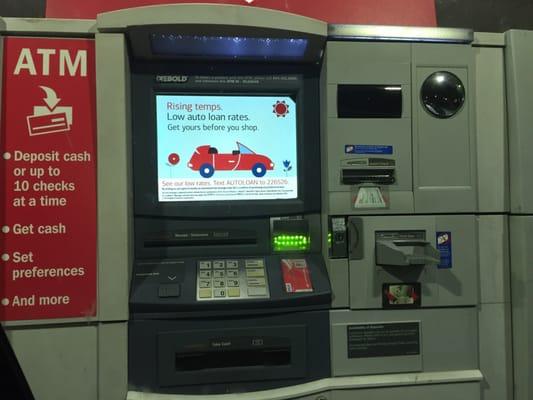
(207, 160)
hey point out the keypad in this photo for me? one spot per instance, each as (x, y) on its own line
(231, 279)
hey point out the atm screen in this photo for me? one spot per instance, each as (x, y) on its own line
(226, 147)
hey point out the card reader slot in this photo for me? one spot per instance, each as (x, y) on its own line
(196, 361)
(380, 176)
(199, 242)
(199, 238)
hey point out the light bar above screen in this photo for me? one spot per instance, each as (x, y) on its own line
(228, 47)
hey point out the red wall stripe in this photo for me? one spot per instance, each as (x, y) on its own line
(373, 12)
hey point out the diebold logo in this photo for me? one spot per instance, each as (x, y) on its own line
(171, 78)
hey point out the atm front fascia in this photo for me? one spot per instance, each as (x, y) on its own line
(229, 288)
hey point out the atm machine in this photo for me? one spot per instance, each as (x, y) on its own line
(282, 202)
(216, 127)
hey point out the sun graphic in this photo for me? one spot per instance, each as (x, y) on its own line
(173, 159)
(280, 108)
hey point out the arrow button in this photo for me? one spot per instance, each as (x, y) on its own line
(169, 290)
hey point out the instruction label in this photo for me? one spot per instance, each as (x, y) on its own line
(383, 340)
(48, 170)
(444, 246)
(368, 149)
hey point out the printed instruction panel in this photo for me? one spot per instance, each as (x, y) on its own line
(48, 170)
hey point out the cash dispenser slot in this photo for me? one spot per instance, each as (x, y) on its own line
(279, 349)
(405, 252)
(357, 171)
(265, 357)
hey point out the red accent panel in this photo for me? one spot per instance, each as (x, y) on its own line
(48, 179)
(374, 12)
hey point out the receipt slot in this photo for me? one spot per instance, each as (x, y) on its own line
(229, 290)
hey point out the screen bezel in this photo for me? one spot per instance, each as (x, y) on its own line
(145, 174)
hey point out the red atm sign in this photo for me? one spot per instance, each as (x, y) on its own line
(48, 179)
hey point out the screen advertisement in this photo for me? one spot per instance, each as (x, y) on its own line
(226, 147)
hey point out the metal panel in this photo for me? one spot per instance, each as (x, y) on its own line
(112, 361)
(50, 27)
(495, 334)
(352, 62)
(114, 177)
(58, 362)
(440, 287)
(492, 151)
(495, 351)
(521, 237)
(370, 64)
(338, 270)
(444, 150)
(465, 380)
(459, 284)
(458, 391)
(489, 39)
(448, 340)
(494, 269)
(519, 62)
(203, 14)
(399, 33)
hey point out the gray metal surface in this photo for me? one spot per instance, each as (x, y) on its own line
(444, 150)
(458, 391)
(48, 27)
(436, 164)
(494, 311)
(495, 351)
(456, 286)
(338, 270)
(521, 237)
(224, 14)
(489, 39)
(399, 33)
(112, 361)
(448, 341)
(368, 63)
(446, 383)
(519, 82)
(115, 227)
(58, 362)
(494, 264)
(491, 128)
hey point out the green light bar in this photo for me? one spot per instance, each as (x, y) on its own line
(291, 243)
